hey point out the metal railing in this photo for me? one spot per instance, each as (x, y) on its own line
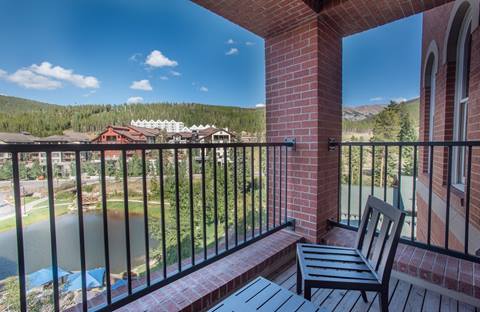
(268, 213)
(431, 181)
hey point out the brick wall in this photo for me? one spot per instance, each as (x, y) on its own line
(303, 72)
(474, 121)
(271, 17)
(435, 24)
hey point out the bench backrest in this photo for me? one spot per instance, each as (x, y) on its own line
(380, 250)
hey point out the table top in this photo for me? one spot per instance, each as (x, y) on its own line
(262, 295)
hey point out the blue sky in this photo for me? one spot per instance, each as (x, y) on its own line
(110, 40)
(383, 64)
(112, 51)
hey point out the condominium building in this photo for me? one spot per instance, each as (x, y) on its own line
(169, 126)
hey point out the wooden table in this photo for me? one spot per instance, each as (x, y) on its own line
(262, 295)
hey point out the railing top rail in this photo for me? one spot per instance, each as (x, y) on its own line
(403, 143)
(26, 148)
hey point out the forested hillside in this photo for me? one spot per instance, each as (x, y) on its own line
(43, 119)
(366, 125)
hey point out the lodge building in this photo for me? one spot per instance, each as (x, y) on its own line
(449, 111)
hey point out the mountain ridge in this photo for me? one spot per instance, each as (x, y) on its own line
(43, 119)
(19, 114)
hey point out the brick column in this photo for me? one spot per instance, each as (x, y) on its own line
(304, 96)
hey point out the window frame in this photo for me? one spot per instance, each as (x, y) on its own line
(460, 120)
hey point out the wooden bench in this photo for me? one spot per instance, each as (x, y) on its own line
(367, 267)
(264, 296)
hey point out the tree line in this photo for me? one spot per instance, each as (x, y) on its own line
(42, 119)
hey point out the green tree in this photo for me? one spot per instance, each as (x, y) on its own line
(6, 171)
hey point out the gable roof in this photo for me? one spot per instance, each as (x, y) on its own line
(12, 138)
(183, 134)
(145, 131)
(130, 134)
(211, 131)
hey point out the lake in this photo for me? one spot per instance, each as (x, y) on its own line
(38, 251)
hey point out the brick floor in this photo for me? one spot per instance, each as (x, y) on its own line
(450, 272)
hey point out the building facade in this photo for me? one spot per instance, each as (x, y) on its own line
(125, 135)
(207, 135)
(15, 138)
(167, 125)
(449, 111)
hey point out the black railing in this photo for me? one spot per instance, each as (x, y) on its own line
(267, 173)
(431, 181)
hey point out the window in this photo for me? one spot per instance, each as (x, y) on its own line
(430, 87)
(432, 101)
(461, 100)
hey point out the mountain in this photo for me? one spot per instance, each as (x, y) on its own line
(360, 119)
(361, 112)
(43, 119)
(10, 104)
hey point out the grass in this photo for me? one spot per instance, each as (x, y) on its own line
(41, 212)
(35, 216)
(135, 206)
(29, 199)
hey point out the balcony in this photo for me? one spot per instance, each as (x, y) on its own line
(178, 227)
(218, 224)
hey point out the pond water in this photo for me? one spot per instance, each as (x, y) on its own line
(38, 251)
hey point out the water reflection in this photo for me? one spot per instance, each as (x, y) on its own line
(37, 244)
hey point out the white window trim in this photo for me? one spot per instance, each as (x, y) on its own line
(433, 82)
(431, 121)
(463, 35)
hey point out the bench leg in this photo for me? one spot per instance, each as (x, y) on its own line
(383, 301)
(307, 292)
(364, 296)
(299, 279)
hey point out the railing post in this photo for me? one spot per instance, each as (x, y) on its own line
(19, 227)
(53, 231)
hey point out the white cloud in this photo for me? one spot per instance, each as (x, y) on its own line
(164, 78)
(203, 89)
(60, 73)
(377, 99)
(249, 43)
(135, 57)
(259, 105)
(157, 59)
(26, 78)
(399, 100)
(141, 85)
(135, 100)
(48, 77)
(91, 92)
(232, 51)
(175, 73)
(230, 41)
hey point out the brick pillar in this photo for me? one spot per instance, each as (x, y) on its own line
(304, 96)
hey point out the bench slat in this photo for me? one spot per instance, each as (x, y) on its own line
(263, 295)
(332, 251)
(356, 259)
(337, 265)
(346, 274)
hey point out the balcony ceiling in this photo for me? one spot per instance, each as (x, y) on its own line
(269, 17)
